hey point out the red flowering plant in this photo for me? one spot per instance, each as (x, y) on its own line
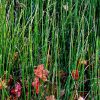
(75, 74)
(40, 73)
(36, 84)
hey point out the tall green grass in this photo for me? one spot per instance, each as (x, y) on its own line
(56, 33)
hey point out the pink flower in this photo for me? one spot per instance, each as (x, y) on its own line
(41, 72)
(17, 90)
(36, 84)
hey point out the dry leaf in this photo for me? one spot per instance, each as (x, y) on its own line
(84, 62)
(51, 97)
(81, 98)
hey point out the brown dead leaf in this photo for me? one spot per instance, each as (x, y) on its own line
(51, 97)
(82, 62)
(81, 98)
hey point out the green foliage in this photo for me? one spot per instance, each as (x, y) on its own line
(56, 33)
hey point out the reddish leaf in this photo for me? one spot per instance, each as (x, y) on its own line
(13, 91)
(36, 84)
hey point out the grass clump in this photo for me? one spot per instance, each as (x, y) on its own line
(59, 38)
